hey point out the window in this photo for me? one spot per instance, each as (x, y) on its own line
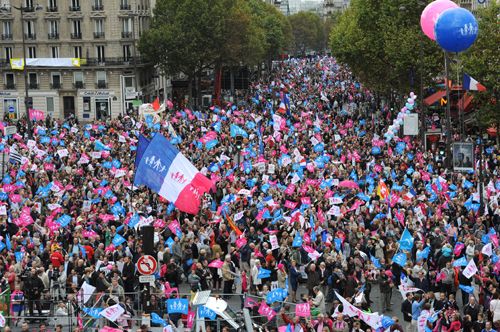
(7, 30)
(75, 5)
(53, 30)
(127, 55)
(10, 107)
(28, 3)
(100, 55)
(101, 79)
(78, 79)
(77, 52)
(10, 81)
(124, 5)
(31, 52)
(76, 29)
(97, 5)
(8, 53)
(127, 27)
(56, 80)
(33, 80)
(54, 51)
(50, 106)
(99, 28)
(52, 6)
(29, 29)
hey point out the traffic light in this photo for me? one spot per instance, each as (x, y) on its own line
(238, 141)
(29, 102)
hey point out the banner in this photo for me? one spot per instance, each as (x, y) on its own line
(36, 115)
(18, 64)
(112, 313)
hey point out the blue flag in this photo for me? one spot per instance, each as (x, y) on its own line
(400, 259)
(238, 131)
(118, 240)
(204, 312)
(177, 306)
(406, 242)
(156, 319)
(2, 246)
(297, 241)
(467, 289)
(8, 243)
(93, 312)
(375, 262)
(263, 273)
(424, 254)
(462, 261)
(141, 147)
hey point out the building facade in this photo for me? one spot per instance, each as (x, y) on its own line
(103, 34)
(332, 6)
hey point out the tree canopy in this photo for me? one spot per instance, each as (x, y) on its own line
(308, 32)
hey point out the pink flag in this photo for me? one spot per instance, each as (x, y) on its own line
(240, 242)
(290, 205)
(109, 329)
(306, 200)
(302, 310)
(190, 319)
(250, 303)
(458, 248)
(321, 215)
(216, 263)
(289, 190)
(15, 198)
(266, 311)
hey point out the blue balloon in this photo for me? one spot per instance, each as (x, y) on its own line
(456, 29)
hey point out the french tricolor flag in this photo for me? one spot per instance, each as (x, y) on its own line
(472, 84)
(167, 172)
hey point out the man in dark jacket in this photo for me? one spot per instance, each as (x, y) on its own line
(386, 286)
(33, 287)
(472, 308)
(128, 273)
(312, 279)
(406, 308)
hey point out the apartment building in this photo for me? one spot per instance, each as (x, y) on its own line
(103, 34)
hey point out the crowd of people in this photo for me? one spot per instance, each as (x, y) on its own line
(304, 198)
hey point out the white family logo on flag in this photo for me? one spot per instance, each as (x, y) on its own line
(155, 163)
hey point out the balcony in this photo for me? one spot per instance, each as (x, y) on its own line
(79, 85)
(7, 36)
(102, 85)
(74, 8)
(34, 85)
(76, 35)
(6, 8)
(53, 35)
(125, 6)
(97, 7)
(10, 86)
(55, 85)
(52, 9)
(29, 9)
(126, 34)
(30, 36)
(90, 62)
(99, 35)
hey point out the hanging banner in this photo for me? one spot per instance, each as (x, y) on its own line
(410, 125)
(18, 64)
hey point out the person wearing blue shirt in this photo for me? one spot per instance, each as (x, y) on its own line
(416, 309)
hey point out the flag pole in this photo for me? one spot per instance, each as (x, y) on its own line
(448, 163)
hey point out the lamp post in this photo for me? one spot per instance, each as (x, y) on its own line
(22, 10)
(133, 16)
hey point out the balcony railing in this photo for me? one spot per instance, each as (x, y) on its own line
(102, 85)
(126, 34)
(52, 9)
(30, 36)
(29, 9)
(7, 36)
(10, 86)
(125, 6)
(74, 8)
(97, 7)
(98, 35)
(78, 85)
(34, 86)
(55, 85)
(76, 35)
(53, 35)
(111, 61)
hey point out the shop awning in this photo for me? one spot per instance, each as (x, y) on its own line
(465, 102)
(434, 98)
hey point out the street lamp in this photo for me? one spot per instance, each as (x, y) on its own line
(38, 7)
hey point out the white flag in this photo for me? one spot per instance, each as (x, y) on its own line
(487, 249)
(470, 269)
(112, 313)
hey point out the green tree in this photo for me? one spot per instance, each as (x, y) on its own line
(482, 61)
(308, 32)
(382, 43)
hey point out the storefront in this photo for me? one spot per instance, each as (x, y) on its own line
(98, 104)
(9, 103)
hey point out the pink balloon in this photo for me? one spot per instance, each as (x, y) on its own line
(431, 14)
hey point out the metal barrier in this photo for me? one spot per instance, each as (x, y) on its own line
(142, 315)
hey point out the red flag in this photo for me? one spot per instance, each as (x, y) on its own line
(156, 104)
